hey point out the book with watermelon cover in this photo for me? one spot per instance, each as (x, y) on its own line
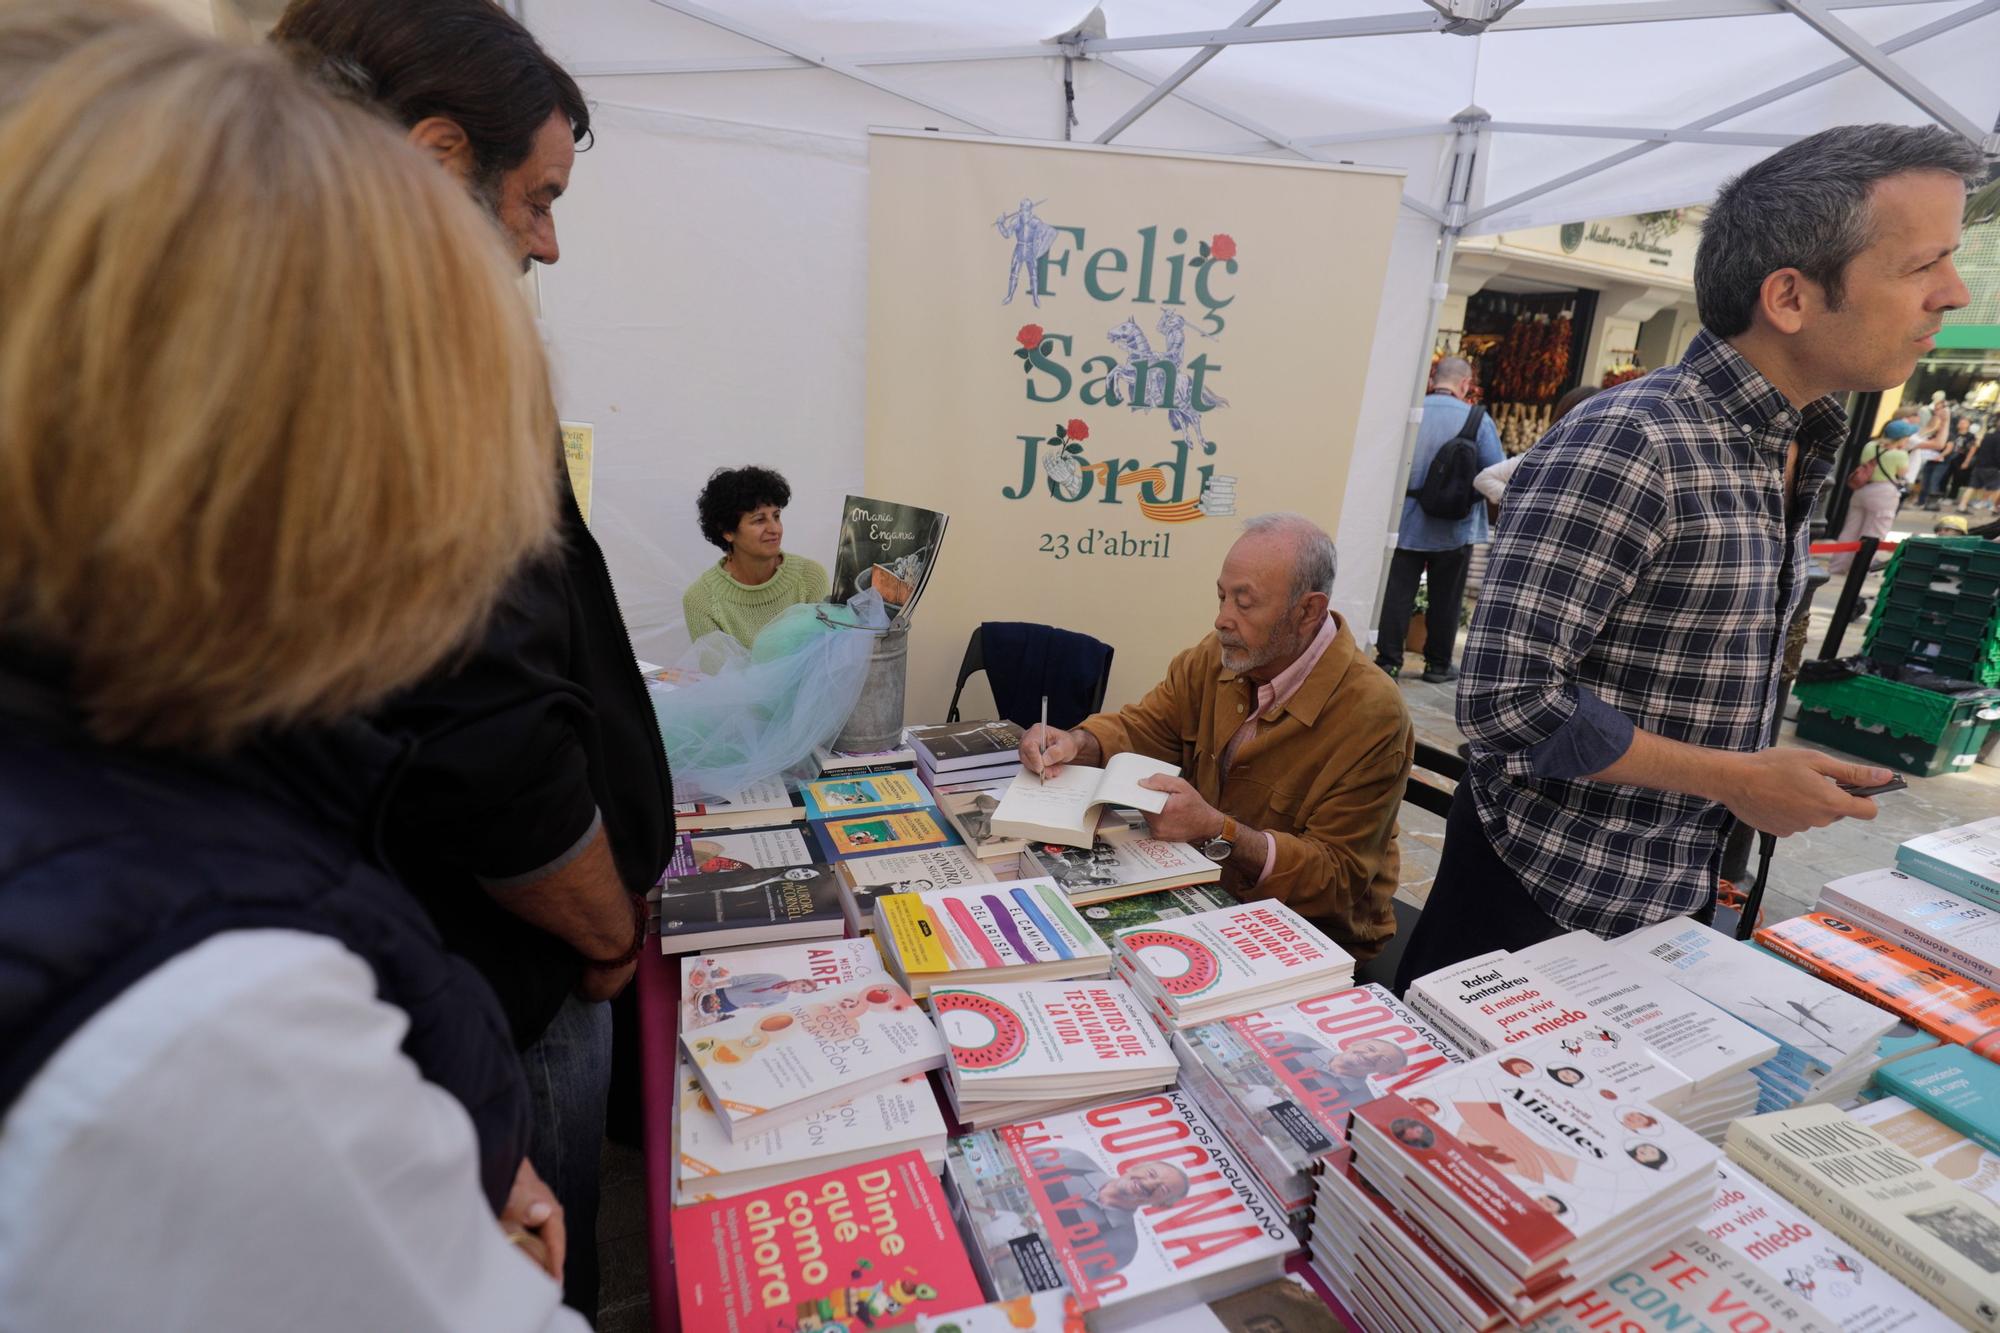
(1282, 1081)
(864, 879)
(708, 1164)
(874, 835)
(1020, 930)
(1923, 918)
(1139, 1206)
(1050, 1039)
(1231, 961)
(770, 1066)
(867, 794)
(1925, 994)
(742, 849)
(1957, 1085)
(716, 986)
(1844, 1288)
(716, 911)
(867, 1246)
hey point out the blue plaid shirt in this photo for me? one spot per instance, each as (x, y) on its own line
(1643, 575)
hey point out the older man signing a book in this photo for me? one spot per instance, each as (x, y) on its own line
(1293, 746)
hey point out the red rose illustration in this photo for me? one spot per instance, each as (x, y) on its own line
(1223, 247)
(1077, 429)
(1030, 336)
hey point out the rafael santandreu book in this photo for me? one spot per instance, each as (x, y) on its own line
(1138, 1206)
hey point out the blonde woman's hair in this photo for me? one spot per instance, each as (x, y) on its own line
(275, 426)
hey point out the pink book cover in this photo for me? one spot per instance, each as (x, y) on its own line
(865, 1247)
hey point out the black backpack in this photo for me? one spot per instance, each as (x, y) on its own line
(1447, 490)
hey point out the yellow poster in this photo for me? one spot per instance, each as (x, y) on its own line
(577, 438)
(1099, 362)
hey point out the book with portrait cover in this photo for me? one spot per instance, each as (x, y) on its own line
(730, 907)
(717, 986)
(1121, 863)
(1139, 1206)
(1282, 1081)
(1845, 1289)
(861, 1247)
(1940, 1238)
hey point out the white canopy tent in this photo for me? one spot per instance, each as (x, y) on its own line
(709, 309)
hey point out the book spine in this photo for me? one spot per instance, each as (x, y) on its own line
(1914, 938)
(1857, 1224)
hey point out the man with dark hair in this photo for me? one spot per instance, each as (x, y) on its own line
(1620, 674)
(534, 808)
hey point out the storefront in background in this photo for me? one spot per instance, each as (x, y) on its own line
(1540, 311)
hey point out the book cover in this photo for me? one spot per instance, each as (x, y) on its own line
(1965, 859)
(979, 927)
(888, 547)
(1124, 1201)
(1843, 1287)
(1007, 1032)
(1937, 923)
(766, 1066)
(708, 1164)
(871, 835)
(1923, 993)
(1038, 1312)
(1148, 909)
(1957, 1085)
(1297, 1071)
(1934, 1143)
(742, 849)
(716, 986)
(1234, 950)
(1942, 1239)
(766, 802)
(1495, 1000)
(970, 814)
(870, 794)
(864, 1246)
(865, 879)
(1119, 858)
(956, 745)
(1693, 1283)
(738, 899)
(1065, 807)
(834, 762)
(1699, 1039)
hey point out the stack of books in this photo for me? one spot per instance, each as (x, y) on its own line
(851, 836)
(1829, 1042)
(1965, 860)
(1283, 1081)
(970, 813)
(1934, 1143)
(743, 849)
(1120, 863)
(865, 879)
(1956, 1086)
(954, 755)
(734, 907)
(1845, 1290)
(1537, 1182)
(865, 1246)
(1718, 1054)
(1496, 1000)
(1021, 930)
(1023, 1050)
(1940, 1238)
(841, 763)
(772, 1065)
(1149, 909)
(1936, 923)
(1141, 1207)
(864, 794)
(1924, 994)
(763, 803)
(707, 1162)
(1234, 960)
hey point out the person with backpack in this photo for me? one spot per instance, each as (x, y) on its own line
(1871, 509)
(1443, 518)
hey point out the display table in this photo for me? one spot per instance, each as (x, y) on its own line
(658, 986)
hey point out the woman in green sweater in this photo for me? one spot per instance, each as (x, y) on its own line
(742, 512)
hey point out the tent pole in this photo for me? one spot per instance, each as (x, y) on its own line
(1468, 141)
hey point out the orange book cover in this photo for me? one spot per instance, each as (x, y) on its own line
(1931, 997)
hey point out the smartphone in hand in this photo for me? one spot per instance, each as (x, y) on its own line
(1879, 789)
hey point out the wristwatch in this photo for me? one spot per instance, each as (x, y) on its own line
(1218, 848)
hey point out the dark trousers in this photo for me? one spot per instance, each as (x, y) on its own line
(1445, 572)
(1476, 905)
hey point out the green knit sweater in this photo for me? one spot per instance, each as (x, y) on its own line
(717, 601)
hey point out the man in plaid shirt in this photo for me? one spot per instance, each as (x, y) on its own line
(1620, 674)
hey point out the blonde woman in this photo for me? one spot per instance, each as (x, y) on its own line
(273, 433)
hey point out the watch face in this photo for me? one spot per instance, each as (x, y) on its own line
(1217, 850)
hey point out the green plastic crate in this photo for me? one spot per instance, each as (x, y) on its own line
(1954, 752)
(1948, 557)
(1909, 710)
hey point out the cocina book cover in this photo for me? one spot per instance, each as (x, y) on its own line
(869, 1246)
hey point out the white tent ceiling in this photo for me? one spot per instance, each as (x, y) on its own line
(709, 309)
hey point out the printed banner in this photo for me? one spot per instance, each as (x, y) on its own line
(1100, 361)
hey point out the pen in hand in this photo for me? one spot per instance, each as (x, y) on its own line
(1042, 762)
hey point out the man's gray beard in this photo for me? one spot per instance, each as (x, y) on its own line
(1272, 652)
(486, 189)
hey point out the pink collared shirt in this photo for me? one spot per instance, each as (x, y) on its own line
(1271, 696)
